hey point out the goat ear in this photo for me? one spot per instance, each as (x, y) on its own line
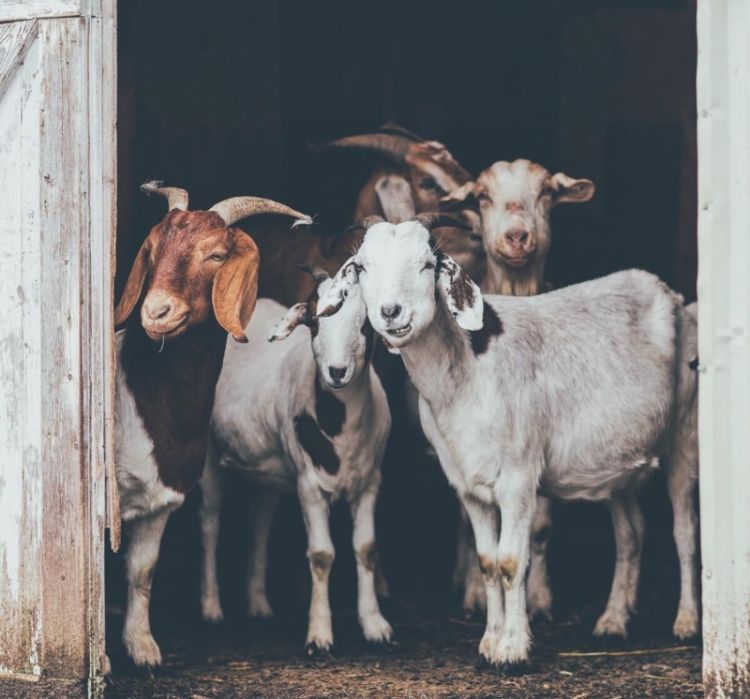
(235, 289)
(461, 195)
(333, 298)
(462, 295)
(134, 285)
(292, 318)
(395, 197)
(565, 189)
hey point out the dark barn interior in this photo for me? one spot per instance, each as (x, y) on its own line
(224, 100)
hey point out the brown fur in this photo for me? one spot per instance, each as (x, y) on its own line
(508, 568)
(488, 567)
(321, 562)
(367, 555)
(173, 386)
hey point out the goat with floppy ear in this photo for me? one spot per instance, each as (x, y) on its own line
(514, 200)
(314, 419)
(194, 279)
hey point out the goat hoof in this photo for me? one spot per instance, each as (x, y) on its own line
(513, 669)
(382, 646)
(482, 664)
(316, 652)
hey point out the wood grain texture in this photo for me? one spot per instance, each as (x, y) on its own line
(16, 10)
(57, 173)
(15, 40)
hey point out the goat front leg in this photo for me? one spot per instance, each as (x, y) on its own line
(320, 553)
(261, 520)
(374, 626)
(515, 492)
(538, 591)
(484, 523)
(627, 523)
(140, 561)
(212, 494)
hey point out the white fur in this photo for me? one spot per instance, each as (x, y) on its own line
(581, 393)
(145, 504)
(262, 388)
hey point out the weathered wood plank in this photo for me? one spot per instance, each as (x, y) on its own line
(20, 369)
(16, 10)
(63, 165)
(98, 326)
(56, 178)
(15, 40)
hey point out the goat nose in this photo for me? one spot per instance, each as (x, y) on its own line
(156, 311)
(518, 237)
(390, 311)
(337, 372)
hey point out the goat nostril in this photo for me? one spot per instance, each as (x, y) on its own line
(337, 372)
(391, 311)
(524, 237)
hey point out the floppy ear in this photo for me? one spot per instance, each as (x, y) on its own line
(235, 288)
(134, 285)
(394, 195)
(332, 300)
(292, 318)
(461, 294)
(461, 195)
(568, 190)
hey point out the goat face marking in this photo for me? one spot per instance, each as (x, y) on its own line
(402, 278)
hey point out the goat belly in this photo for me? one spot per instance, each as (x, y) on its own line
(599, 483)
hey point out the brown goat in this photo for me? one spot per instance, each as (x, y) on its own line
(419, 174)
(195, 278)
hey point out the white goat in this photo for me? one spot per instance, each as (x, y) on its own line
(309, 415)
(515, 203)
(578, 392)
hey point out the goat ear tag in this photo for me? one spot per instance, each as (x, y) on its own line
(462, 295)
(333, 298)
(292, 318)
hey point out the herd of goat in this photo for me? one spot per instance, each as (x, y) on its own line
(523, 392)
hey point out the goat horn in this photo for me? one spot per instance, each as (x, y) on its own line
(393, 146)
(430, 221)
(236, 208)
(394, 129)
(176, 198)
(365, 223)
(316, 272)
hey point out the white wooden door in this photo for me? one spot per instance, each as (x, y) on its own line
(724, 339)
(57, 208)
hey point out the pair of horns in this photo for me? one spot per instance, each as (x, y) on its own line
(428, 220)
(230, 210)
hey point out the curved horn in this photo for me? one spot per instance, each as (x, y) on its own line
(365, 223)
(391, 127)
(236, 208)
(430, 221)
(393, 146)
(176, 198)
(316, 272)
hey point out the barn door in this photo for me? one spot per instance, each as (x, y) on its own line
(57, 185)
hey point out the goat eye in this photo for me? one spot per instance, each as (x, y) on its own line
(428, 265)
(359, 268)
(428, 183)
(217, 257)
(483, 196)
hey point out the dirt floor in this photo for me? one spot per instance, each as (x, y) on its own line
(435, 657)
